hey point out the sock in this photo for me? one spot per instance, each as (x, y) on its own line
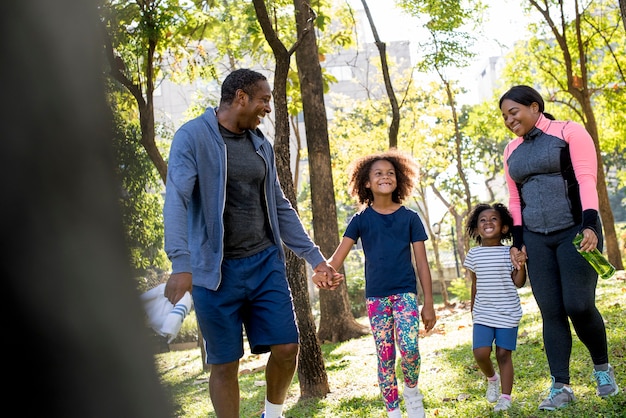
(493, 378)
(273, 410)
(558, 385)
(505, 396)
(601, 367)
(394, 413)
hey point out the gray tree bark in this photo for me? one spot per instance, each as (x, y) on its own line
(311, 369)
(337, 322)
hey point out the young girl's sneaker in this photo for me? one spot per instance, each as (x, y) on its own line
(414, 402)
(493, 389)
(502, 405)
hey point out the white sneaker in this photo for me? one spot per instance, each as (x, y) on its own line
(414, 404)
(395, 413)
(502, 405)
(493, 389)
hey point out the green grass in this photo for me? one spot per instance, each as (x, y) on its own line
(452, 384)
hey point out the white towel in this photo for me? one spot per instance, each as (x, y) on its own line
(163, 317)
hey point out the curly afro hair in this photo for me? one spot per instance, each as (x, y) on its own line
(406, 173)
(505, 217)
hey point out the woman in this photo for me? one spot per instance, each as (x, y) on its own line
(551, 172)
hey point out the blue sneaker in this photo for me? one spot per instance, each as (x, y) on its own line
(558, 398)
(605, 379)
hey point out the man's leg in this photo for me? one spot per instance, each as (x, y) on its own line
(279, 372)
(224, 389)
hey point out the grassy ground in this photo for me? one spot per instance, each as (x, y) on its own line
(452, 384)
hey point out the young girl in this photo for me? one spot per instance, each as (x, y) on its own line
(496, 309)
(388, 232)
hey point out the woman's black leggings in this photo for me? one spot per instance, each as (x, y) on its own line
(564, 286)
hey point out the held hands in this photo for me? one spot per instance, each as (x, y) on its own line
(518, 257)
(521, 258)
(326, 277)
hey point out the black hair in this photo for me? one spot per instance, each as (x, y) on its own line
(241, 79)
(404, 165)
(525, 95)
(505, 218)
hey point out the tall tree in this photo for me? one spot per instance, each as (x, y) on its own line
(141, 204)
(574, 31)
(336, 322)
(134, 33)
(449, 47)
(311, 370)
(394, 126)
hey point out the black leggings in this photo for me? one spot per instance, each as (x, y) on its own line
(564, 285)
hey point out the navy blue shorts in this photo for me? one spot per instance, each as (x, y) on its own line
(485, 336)
(254, 295)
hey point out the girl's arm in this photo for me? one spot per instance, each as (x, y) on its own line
(336, 260)
(423, 271)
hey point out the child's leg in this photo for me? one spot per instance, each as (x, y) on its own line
(506, 342)
(505, 364)
(483, 340)
(483, 337)
(483, 360)
(381, 321)
(407, 324)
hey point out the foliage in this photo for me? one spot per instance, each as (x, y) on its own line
(354, 267)
(140, 198)
(458, 287)
(451, 24)
(452, 384)
(603, 45)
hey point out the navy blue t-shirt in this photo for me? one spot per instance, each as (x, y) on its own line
(386, 241)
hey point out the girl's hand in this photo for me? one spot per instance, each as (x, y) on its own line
(322, 280)
(428, 316)
(517, 256)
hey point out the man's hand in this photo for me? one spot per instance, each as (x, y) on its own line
(176, 286)
(326, 277)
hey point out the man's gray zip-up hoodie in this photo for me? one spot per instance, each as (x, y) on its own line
(195, 196)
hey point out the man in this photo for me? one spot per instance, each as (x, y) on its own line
(226, 219)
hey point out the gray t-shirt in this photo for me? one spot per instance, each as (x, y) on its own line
(246, 230)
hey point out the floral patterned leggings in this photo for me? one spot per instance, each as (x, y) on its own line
(394, 319)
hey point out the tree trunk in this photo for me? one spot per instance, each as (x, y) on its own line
(144, 105)
(311, 370)
(581, 92)
(337, 322)
(606, 214)
(622, 8)
(394, 127)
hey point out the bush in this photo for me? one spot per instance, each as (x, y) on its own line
(458, 287)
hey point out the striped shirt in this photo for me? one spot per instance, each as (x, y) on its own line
(497, 302)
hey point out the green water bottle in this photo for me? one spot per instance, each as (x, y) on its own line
(600, 264)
